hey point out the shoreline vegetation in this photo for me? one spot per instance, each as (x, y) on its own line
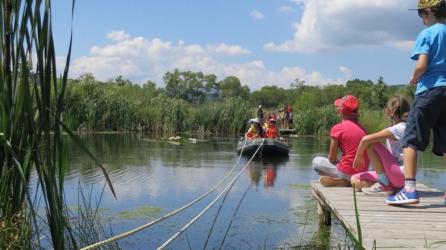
(195, 103)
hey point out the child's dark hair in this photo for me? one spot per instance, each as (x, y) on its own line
(440, 10)
(397, 108)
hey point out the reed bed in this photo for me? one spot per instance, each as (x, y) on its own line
(112, 107)
(119, 105)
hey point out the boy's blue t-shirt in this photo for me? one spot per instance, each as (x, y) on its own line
(432, 41)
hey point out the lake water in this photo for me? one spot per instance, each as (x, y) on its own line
(269, 207)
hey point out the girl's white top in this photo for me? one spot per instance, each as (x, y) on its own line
(394, 146)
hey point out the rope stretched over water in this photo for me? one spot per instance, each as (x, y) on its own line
(151, 223)
(228, 187)
(233, 216)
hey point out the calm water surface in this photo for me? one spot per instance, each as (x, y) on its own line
(269, 207)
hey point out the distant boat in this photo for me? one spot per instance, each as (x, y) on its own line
(269, 147)
(287, 131)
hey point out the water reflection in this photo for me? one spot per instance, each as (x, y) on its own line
(277, 209)
(266, 167)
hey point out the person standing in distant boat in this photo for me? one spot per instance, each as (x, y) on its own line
(281, 115)
(260, 114)
(289, 112)
(286, 116)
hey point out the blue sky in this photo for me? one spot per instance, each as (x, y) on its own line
(262, 42)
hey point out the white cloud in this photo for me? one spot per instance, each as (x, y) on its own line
(347, 72)
(140, 59)
(118, 35)
(286, 8)
(405, 45)
(299, 1)
(231, 49)
(351, 23)
(257, 15)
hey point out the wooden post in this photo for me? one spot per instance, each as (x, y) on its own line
(323, 214)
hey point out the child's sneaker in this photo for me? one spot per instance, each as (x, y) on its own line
(403, 197)
(378, 189)
(328, 181)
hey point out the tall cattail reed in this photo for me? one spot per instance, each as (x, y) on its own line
(31, 124)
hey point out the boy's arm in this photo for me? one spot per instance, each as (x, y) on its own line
(333, 151)
(420, 68)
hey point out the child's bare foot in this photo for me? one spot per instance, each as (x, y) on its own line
(328, 181)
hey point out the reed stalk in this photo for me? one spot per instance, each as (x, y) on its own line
(31, 112)
(358, 223)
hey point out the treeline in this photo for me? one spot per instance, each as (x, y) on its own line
(193, 102)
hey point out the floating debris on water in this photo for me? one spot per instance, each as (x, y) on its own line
(299, 186)
(175, 138)
(144, 211)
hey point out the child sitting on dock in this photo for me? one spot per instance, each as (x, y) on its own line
(385, 160)
(345, 136)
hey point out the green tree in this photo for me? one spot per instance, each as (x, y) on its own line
(120, 80)
(297, 83)
(149, 89)
(361, 89)
(231, 87)
(192, 87)
(87, 78)
(378, 95)
(212, 87)
(308, 98)
(269, 96)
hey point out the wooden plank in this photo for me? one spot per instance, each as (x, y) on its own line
(393, 227)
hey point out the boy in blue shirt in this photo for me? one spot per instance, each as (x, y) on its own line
(429, 107)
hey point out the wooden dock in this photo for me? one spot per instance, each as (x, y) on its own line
(383, 226)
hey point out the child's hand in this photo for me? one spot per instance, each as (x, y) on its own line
(413, 81)
(358, 162)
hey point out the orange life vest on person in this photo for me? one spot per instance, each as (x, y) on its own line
(252, 133)
(271, 132)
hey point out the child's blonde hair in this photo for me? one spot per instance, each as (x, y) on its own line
(397, 109)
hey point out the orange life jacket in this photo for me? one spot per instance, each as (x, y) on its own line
(252, 133)
(271, 132)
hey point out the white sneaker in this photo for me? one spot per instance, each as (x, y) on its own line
(378, 190)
